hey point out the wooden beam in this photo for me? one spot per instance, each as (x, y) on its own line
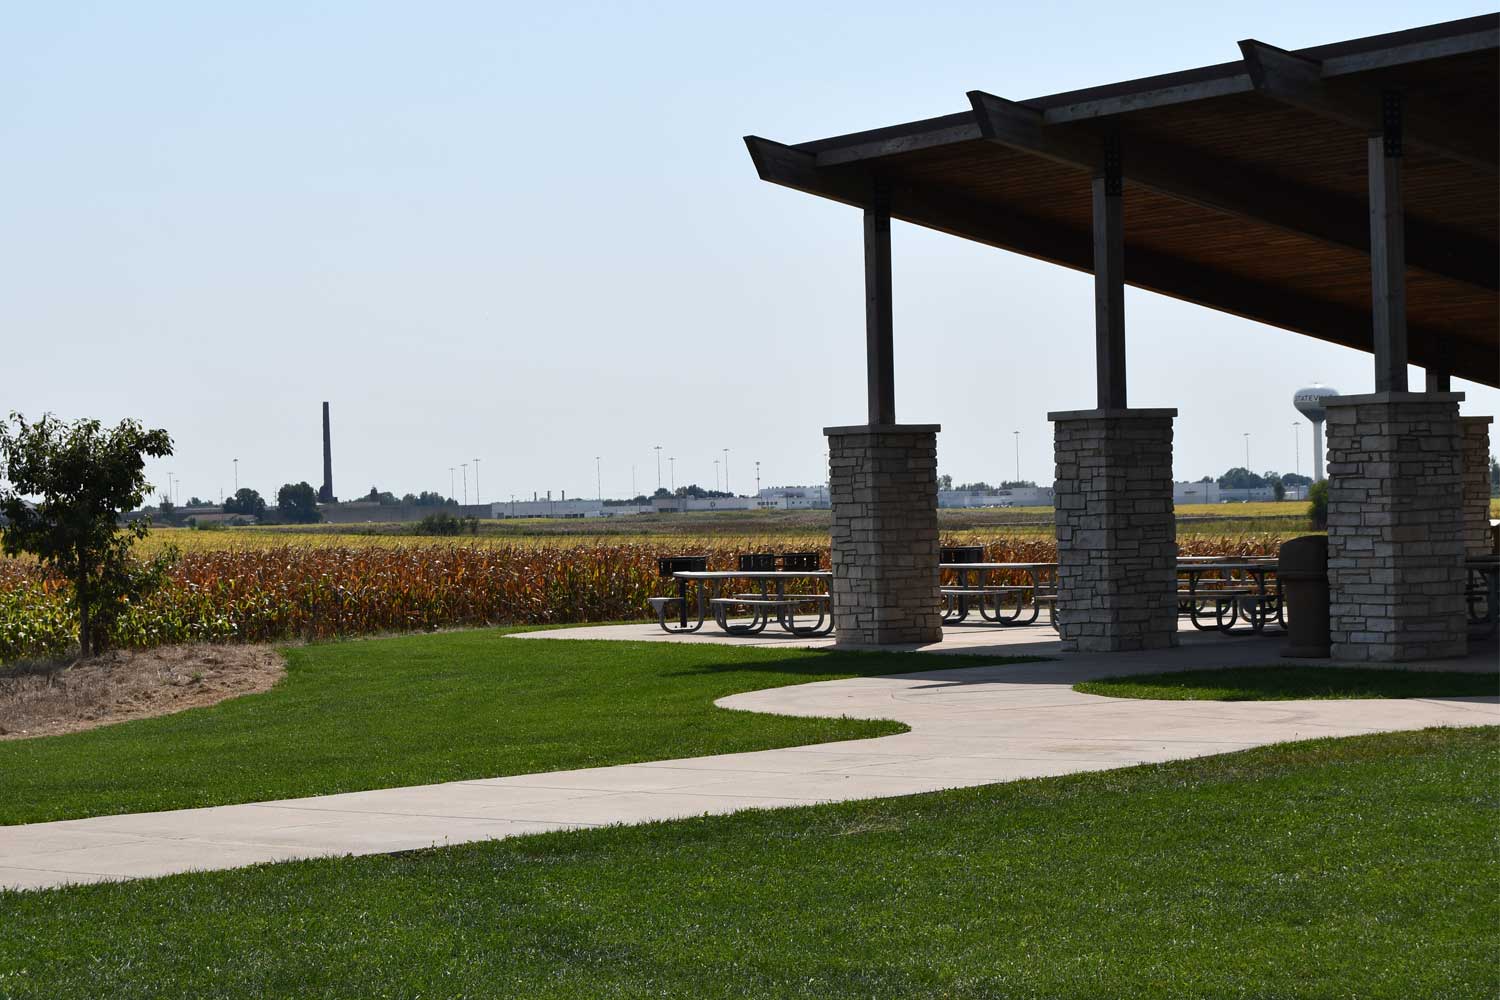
(1228, 188)
(1109, 282)
(1008, 229)
(1387, 251)
(1298, 81)
(879, 352)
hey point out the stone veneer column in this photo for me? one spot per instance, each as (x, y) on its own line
(1476, 431)
(1116, 530)
(883, 486)
(1395, 526)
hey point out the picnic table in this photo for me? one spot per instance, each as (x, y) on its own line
(973, 584)
(770, 597)
(1483, 587)
(1245, 589)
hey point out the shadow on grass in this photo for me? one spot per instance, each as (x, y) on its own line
(1292, 683)
(852, 662)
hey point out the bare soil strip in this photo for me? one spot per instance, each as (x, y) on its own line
(134, 684)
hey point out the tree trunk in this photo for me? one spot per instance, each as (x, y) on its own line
(83, 625)
(85, 599)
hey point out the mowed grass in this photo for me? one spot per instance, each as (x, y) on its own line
(428, 708)
(1338, 868)
(1287, 683)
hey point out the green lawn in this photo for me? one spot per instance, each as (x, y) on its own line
(1337, 868)
(1289, 683)
(428, 708)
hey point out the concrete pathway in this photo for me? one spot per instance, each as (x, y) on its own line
(969, 726)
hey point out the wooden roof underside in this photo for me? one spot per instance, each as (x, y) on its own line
(1244, 183)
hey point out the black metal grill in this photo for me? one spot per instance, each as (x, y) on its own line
(667, 565)
(961, 554)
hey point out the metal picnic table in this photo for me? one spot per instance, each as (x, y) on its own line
(1240, 590)
(771, 596)
(1483, 584)
(956, 599)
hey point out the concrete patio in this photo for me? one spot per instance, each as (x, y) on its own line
(972, 725)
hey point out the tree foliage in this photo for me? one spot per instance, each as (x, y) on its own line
(1241, 478)
(1317, 505)
(298, 503)
(245, 501)
(82, 478)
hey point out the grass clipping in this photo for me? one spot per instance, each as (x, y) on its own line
(45, 700)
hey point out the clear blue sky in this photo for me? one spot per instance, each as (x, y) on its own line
(530, 234)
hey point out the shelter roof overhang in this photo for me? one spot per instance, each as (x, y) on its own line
(1244, 182)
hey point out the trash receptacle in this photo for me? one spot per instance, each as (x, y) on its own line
(1302, 568)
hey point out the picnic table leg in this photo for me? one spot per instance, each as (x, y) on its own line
(682, 602)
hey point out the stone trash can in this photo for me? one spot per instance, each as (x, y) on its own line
(1302, 568)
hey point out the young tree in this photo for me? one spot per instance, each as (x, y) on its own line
(1317, 505)
(298, 503)
(83, 478)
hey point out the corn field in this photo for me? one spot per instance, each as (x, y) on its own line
(320, 591)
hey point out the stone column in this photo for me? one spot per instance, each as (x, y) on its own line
(1476, 431)
(1395, 526)
(1116, 530)
(883, 487)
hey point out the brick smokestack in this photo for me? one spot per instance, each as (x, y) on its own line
(325, 495)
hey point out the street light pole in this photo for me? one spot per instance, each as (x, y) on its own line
(598, 478)
(236, 475)
(452, 482)
(476, 482)
(716, 477)
(658, 465)
(726, 470)
(1247, 451)
(465, 466)
(1018, 456)
(757, 477)
(672, 468)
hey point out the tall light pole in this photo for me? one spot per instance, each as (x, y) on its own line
(598, 477)
(465, 467)
(476, 482)
(757, 477)
(1297, 446)
(1247, 451)
(716, 477)
(658, 465)
(726, 470)
(1018, 456)
(633, 493)
(236, 475)
(452, 482)
(672, 468)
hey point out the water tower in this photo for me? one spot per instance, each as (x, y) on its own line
(1309, 402)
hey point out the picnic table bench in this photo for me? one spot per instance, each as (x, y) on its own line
(1231, 590)
(714, 597)
(974, 589)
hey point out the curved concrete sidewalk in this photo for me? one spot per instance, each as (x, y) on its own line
(969, 726)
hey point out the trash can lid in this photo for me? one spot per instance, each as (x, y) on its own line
(1307, 554)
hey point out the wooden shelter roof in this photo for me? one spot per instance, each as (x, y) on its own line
(1245, 182)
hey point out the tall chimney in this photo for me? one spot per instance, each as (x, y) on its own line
(325, 495)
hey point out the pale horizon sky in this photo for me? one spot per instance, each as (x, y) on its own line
(530, 234)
